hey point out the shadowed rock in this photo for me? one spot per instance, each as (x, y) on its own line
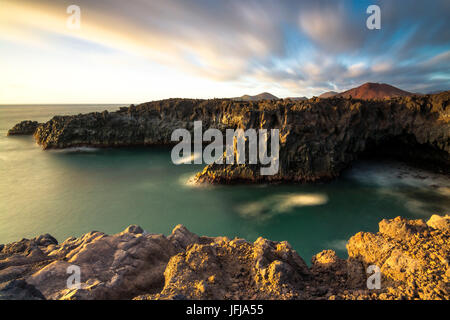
(23, 128)
(112, 267)
(19, 290)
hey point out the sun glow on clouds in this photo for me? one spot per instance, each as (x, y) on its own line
(135, 51)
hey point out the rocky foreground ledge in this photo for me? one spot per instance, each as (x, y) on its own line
(413, 256)
(318, 137)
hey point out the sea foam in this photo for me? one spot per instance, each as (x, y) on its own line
(281, 203)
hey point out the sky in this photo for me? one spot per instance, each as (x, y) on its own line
(141, 50)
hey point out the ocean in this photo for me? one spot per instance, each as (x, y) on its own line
(70, 192)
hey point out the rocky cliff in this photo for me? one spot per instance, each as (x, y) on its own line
(318, 137)
(413, 257)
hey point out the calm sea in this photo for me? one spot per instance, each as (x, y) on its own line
(71, 192)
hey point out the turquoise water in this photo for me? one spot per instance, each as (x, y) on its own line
(71, 192)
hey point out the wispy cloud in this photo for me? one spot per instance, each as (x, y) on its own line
(207, 48)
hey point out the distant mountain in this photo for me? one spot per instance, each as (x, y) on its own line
(297, 98)
(374, 91)
(258, 97)
(435, 91)
(328, 94)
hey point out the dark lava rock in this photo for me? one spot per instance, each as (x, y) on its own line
(19, 290)
(23, 128)
(318, 137)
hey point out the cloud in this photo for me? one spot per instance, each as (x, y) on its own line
(287, 47)
(332, 28)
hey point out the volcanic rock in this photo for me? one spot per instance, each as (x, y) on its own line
(374, 91)
(318, 137)
(412, 255)
(23, 128)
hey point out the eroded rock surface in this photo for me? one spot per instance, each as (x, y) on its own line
(112, 267)
(412, 255)
(235, 269)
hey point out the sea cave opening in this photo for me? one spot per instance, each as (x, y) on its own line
(407, 149)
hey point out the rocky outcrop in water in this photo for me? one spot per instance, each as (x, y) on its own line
(318, 137)
(26, 127)
(413, 257)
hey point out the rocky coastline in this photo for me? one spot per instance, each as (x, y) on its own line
(413, 257)
(318, 137)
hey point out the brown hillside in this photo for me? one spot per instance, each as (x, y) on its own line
(375, 91)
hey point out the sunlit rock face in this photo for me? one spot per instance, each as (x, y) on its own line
(318, 137)
(235, 269)
(412, 255)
